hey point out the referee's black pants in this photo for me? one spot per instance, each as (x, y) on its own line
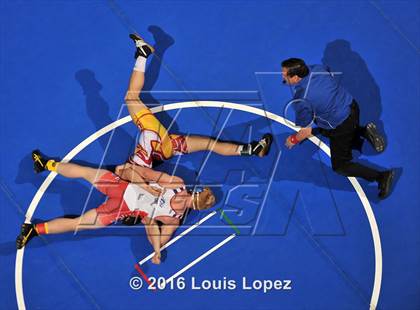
(342, 140)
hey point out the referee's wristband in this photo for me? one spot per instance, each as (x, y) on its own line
(293, 139)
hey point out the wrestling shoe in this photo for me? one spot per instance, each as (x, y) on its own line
(27, 232)
(40, 163)
(374, 138)
(385, 183)
(142, 48)
(260, 148)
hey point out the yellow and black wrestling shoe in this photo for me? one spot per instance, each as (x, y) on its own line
(27, 232)
(41, 163)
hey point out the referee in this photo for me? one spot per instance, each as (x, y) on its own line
(319, 100)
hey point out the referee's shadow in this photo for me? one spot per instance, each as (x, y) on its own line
(358, 80)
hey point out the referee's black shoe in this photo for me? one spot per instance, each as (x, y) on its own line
(258, 148)
(385, 183)
(374, 138)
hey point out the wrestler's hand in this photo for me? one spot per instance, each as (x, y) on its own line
(154, 191)
(119, 169)
(156, 258)
(126, 172)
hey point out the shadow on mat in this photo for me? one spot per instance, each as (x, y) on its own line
(72, 193)
(122, 144)
(358, 80)
(163, 41)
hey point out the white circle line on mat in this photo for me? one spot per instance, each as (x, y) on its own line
(206, 104)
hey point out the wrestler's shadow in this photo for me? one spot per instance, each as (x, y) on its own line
(7, 248)
(73, 194)
(120, 144)
(163, 41)
(355, 76)
(136, 233)
(141, 247)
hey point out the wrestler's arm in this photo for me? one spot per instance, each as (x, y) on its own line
(167, 229)
(149, 175)
(128, 173)
(154, 236)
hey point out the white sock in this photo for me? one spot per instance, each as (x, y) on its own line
(140, 64)
(239, 149)
(244, 149)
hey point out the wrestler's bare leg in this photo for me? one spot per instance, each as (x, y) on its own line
(86, 221)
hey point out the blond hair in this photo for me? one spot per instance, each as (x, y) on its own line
(204, 200)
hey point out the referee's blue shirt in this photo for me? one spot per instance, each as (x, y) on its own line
(318, 97)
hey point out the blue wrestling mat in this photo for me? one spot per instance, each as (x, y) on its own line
(286, 232)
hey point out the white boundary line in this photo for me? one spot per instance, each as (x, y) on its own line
(186, 231)
(201, 257)
(216, 104)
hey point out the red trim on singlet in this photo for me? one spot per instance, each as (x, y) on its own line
(141, 153)
(115, 207)
(160, 142)
(179, 144)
